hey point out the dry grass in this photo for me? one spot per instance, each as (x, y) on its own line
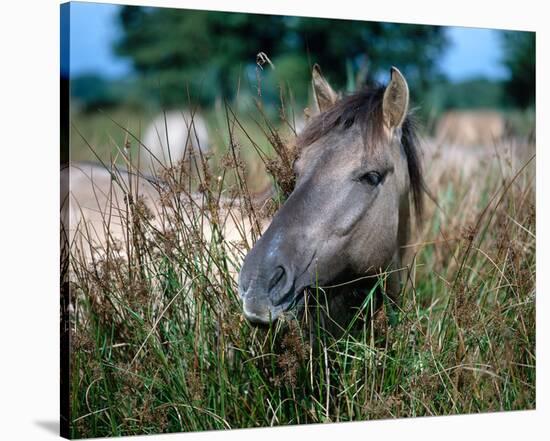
(158, 343)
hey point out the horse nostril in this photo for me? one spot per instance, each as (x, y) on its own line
(277, 278)
(280, 287)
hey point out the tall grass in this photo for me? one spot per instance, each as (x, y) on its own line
(158, 342)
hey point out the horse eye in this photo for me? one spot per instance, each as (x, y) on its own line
(372, 178)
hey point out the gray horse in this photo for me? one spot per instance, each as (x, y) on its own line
(348, 216)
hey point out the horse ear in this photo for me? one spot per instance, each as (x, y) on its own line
(323, 94)
(396, 100)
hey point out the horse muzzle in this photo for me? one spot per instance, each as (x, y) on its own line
(267, 296)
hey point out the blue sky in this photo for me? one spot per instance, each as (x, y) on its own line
(93, 29)
(472, 52)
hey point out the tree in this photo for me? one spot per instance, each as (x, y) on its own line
(519, 58)
(214, 53)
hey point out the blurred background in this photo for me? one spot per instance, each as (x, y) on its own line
(128, 64)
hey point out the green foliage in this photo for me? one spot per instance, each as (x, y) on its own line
(93, 91)
(520, 56)
(469, 94)
(215, 52)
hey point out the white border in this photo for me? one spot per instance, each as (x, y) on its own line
(29, 142)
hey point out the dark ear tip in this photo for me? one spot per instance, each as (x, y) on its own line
(395, 73)
(317, 68)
